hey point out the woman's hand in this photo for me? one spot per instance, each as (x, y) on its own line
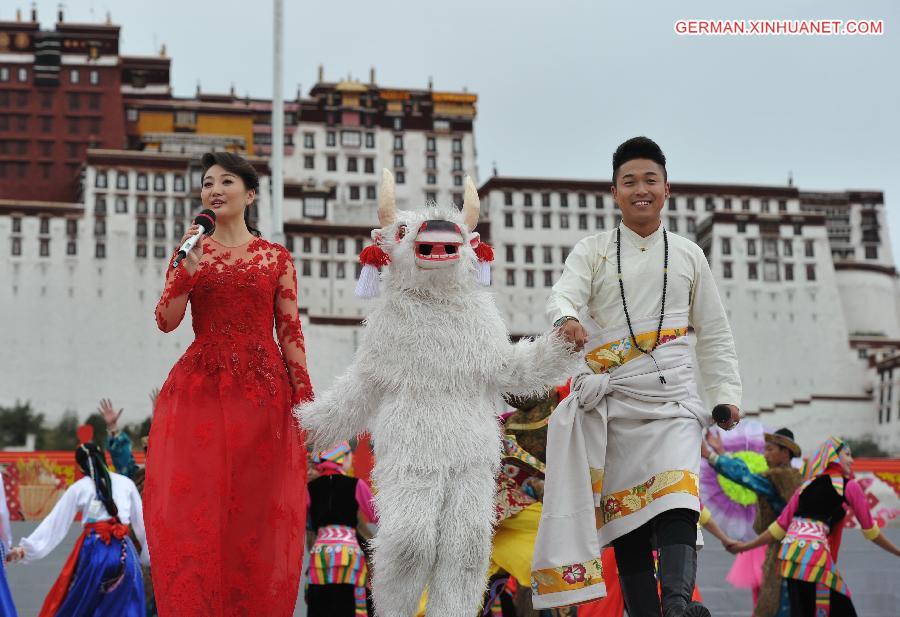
(762, 539)
(192, 261)
(729, 542)
(110, 416)
(154, 394)
(736, 547)
(16, 554)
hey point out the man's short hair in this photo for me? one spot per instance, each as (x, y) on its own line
(638, 148)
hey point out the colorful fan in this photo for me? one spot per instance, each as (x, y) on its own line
(733, 506)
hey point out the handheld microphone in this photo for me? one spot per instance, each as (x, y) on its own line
(207, 222)
(721, 413)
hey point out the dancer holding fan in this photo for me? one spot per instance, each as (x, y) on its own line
(773, 487)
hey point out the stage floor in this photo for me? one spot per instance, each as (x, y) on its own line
(870, 572)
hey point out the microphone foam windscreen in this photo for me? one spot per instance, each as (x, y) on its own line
(206, 218)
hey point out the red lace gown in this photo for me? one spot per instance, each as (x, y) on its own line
(226, 466)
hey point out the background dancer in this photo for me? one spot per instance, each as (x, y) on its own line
(226, 467)
(119, 446)
(338, 569)
(774, 488)
(102, 576)
(7, 608)
(118, 443)
(627, 441)
(518, 503)
(809, 530)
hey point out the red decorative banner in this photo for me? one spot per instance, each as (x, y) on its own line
(34, 481)
(880, 480)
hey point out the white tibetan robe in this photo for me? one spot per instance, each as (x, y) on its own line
(625, 447)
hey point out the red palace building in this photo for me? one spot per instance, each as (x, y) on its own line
(61, 92)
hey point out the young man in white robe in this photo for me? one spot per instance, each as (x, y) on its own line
(624, 452)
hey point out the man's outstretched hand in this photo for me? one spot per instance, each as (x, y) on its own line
(574, 332)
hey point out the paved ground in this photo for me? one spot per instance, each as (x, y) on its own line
(871, 573)
(30, 583)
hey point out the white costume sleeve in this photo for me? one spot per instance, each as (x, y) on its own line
(5, 529)
(572, 291)
(137, 523)
(53, 529)
(716, 356)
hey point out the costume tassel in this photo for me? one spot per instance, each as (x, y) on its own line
(484, 252)
(372, 258)
(485, 255)
(483, 273)
(374, 255)
(367, 285)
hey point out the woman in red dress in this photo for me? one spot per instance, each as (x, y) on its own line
(226, 467)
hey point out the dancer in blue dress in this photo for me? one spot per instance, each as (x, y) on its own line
(102, 577)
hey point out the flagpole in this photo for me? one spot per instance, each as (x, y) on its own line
(277, 157)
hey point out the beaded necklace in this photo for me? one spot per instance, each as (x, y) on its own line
(662, 309)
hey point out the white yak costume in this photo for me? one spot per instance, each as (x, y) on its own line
(433, 358)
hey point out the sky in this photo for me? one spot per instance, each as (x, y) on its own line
(561, 84)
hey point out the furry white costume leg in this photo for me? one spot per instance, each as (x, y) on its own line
(464, 544)
(406, 543)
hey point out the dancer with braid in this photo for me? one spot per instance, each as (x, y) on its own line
(808, 532)
(102, 576)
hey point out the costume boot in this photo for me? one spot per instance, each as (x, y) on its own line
(640, 594)
(677, 572)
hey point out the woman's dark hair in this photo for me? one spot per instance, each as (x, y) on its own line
(89, 457)
(241, 168)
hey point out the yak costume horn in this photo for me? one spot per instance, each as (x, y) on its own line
(471, 205)
(373, 257)
(484, 253)
(387, 205)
